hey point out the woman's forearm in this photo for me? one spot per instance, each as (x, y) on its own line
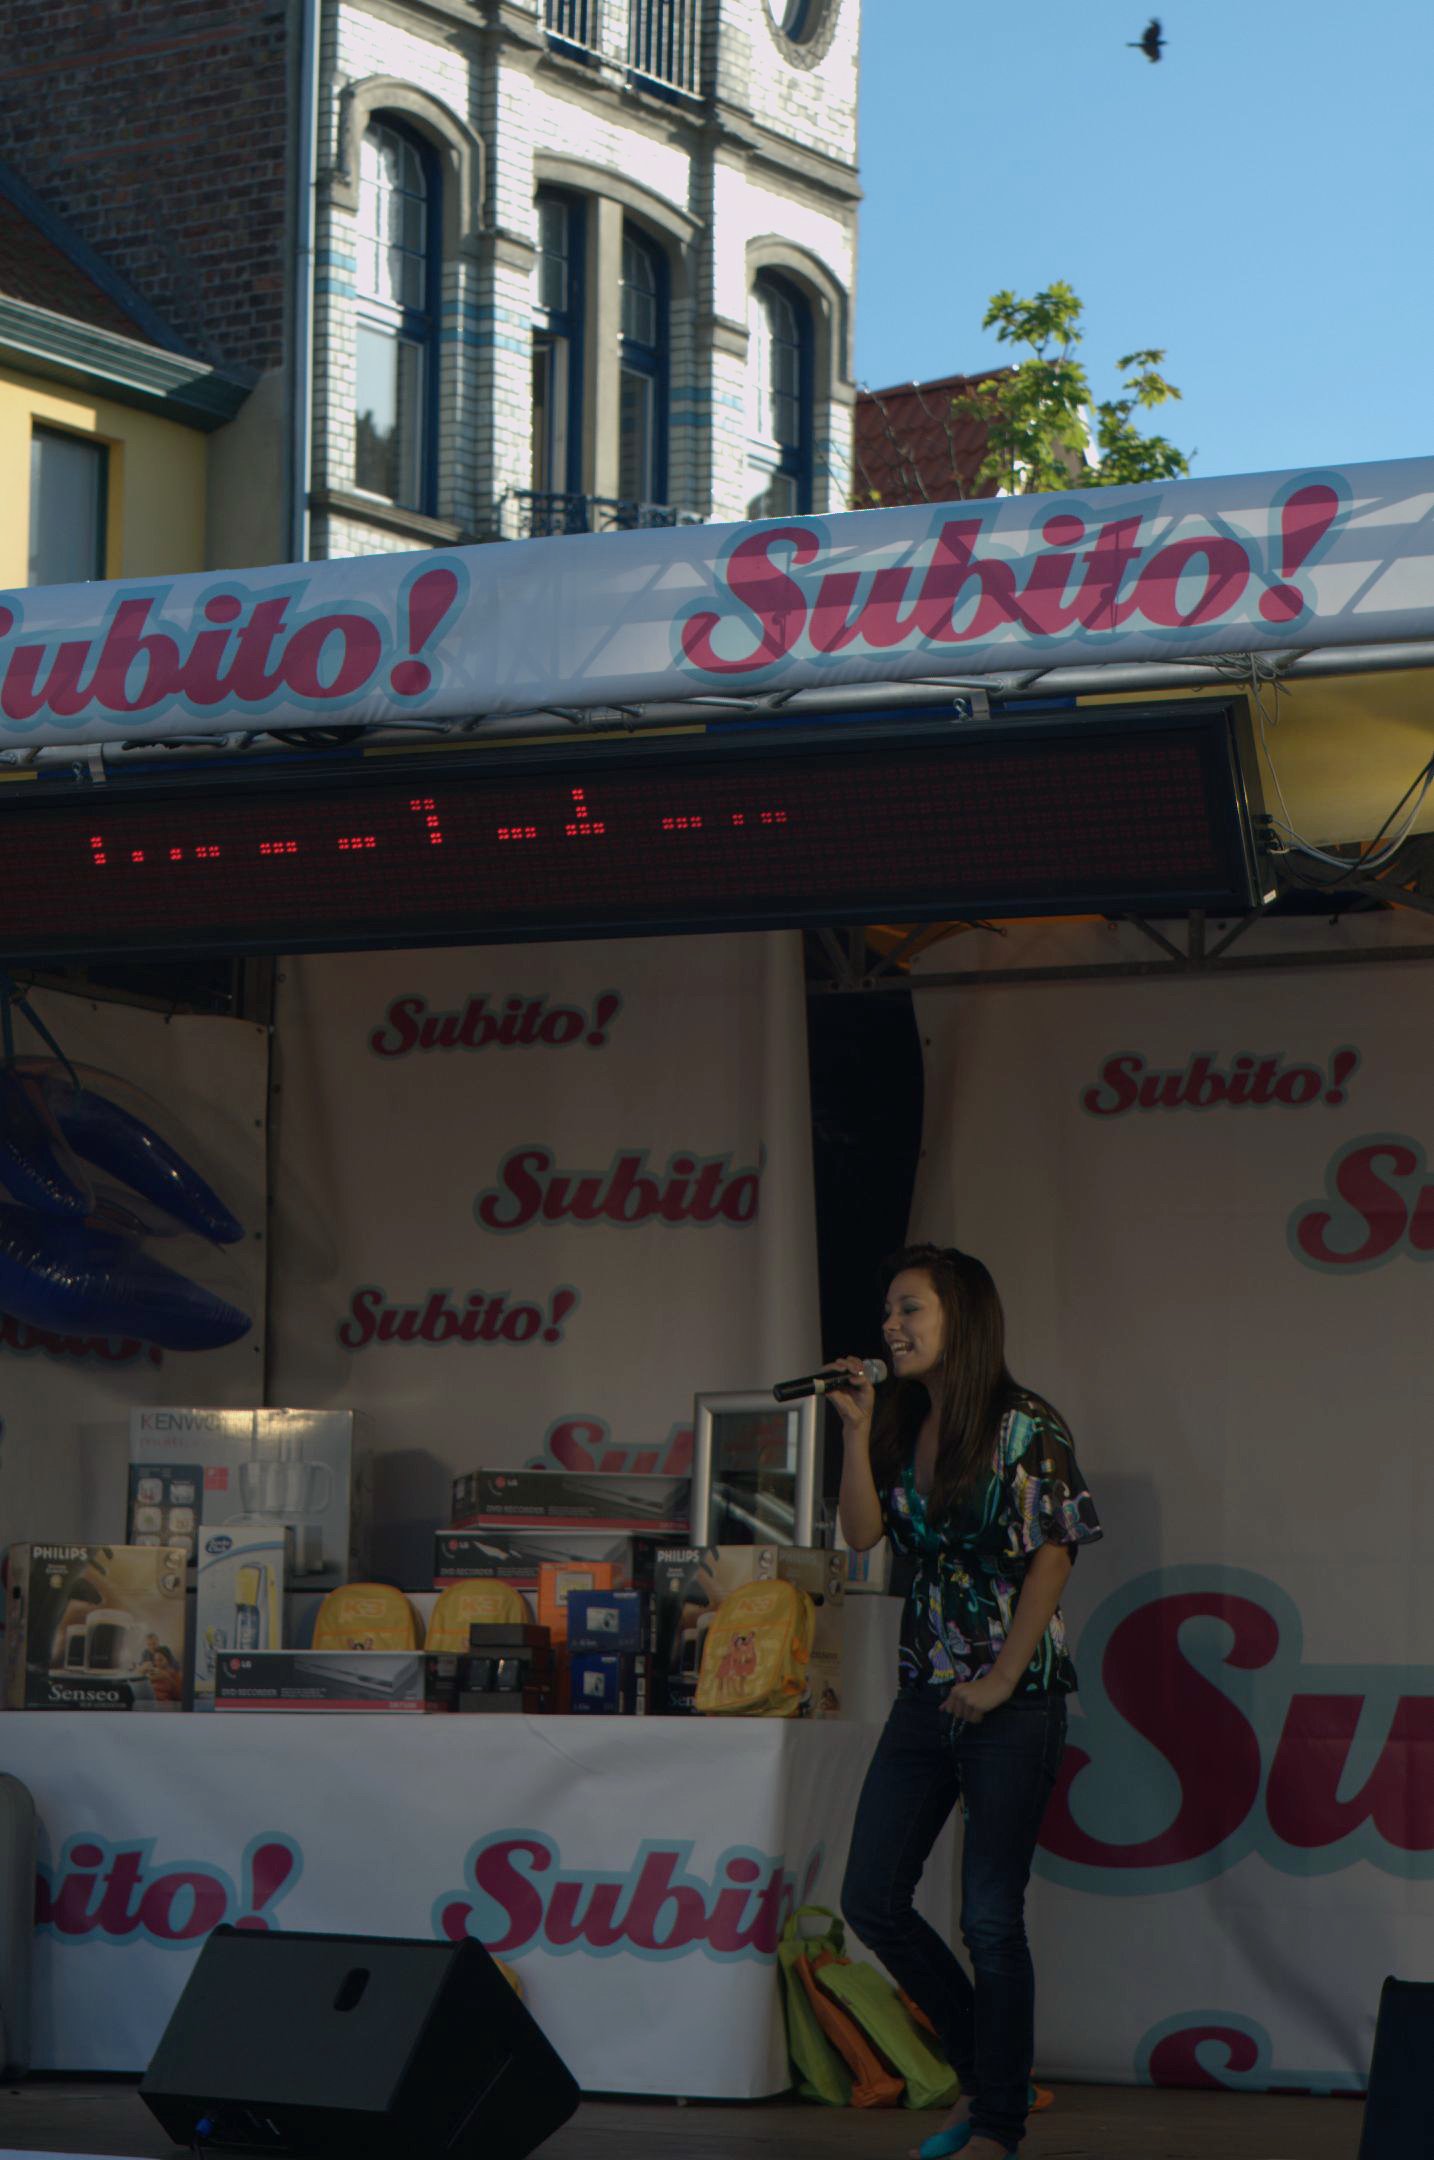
(858, 1502)
(1046, 1574)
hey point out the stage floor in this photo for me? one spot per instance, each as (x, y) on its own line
(1088, 2122)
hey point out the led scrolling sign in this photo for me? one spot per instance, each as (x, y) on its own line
(1091, 812)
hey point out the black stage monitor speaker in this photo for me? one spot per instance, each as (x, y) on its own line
(355, 2046)
(1399, 2111)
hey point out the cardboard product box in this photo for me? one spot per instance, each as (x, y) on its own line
(487, 1635)
(690, 1583)
(612, 1621)
(869, 1572)
(95, 1627)
(560, 1579)
(238, 1597)
(611, 1683)
(515, 1555)
(359, 1680)
(565, 1500)
(261, 1469)
(507, 1667)
(526, 1702)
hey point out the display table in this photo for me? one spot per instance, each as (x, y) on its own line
(634, 1872)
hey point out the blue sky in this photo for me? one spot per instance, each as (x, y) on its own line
(1261, 204)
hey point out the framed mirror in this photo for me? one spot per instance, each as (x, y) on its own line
(755, 1473)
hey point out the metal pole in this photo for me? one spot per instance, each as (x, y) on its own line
(301, 378)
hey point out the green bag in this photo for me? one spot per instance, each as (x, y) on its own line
(871, 2001)
(820, 2072)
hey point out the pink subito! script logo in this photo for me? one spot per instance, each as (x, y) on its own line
(1128, 1083)
(481, 1317)
(519, 1023)
(25, 1341)
(1379, 1203)
(698, 1189)
(238, 650)
(586, 1443)
(780, 595)
(117, 1892)
(1181, 1765)
(518, 1896)
(1227, 2052)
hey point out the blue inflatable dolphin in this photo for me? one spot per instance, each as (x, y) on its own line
(72, 1257)
(72, 1279)
(36, 1167)
(124, 1146)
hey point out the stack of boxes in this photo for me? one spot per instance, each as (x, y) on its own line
(608, 1652)
(253, 1513)
(626, 1605)
(242, 1508)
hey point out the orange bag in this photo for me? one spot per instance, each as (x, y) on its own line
(872, 2084)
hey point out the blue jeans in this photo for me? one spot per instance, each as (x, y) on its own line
(1001, 1771)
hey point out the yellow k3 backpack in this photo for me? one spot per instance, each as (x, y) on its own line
(755, 1658)
(463, 1604)
(366, 1616)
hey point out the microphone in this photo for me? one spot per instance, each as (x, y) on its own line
(822, 1383)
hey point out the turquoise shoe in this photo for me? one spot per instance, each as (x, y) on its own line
(944, 2142)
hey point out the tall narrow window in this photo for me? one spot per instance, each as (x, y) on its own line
(642, 436)
(397, 345)
(67, 508)
(779, 401)
(557, 346)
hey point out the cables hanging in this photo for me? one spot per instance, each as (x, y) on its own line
(1381, 851)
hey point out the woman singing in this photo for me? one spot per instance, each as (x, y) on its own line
(975, 1479)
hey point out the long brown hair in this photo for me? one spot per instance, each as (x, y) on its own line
(972, 1391)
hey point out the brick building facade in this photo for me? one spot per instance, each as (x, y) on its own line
(631, 299)
(495, 266)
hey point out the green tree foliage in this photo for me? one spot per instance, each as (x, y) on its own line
(1044, 430)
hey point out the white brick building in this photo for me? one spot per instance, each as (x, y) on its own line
(580, 263)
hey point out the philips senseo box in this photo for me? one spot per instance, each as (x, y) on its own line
(95, 1627)
(285, 1471)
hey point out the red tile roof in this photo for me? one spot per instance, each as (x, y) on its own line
(910, 448)
(33, 269)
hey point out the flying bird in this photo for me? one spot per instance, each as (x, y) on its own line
(1152, 41)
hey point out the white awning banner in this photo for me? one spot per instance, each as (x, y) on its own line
(1257, 563)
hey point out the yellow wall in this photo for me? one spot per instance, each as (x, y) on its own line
(155, 525)
(1345, 747)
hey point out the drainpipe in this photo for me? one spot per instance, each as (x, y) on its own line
(301, 315)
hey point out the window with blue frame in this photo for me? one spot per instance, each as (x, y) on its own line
(779, 400)
(642, 388)
(558, 345)
(396, 360)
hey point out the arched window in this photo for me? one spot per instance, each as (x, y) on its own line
(797, 19)
(395, 385)
(779, 400)
(558, 344)
(642, 396)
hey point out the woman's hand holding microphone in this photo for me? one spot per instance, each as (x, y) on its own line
(852, 1403)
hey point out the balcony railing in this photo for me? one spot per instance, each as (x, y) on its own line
(664, 43)
(574, 22)
(528, 514)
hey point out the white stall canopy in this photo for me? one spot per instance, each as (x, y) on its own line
(1303, 571)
